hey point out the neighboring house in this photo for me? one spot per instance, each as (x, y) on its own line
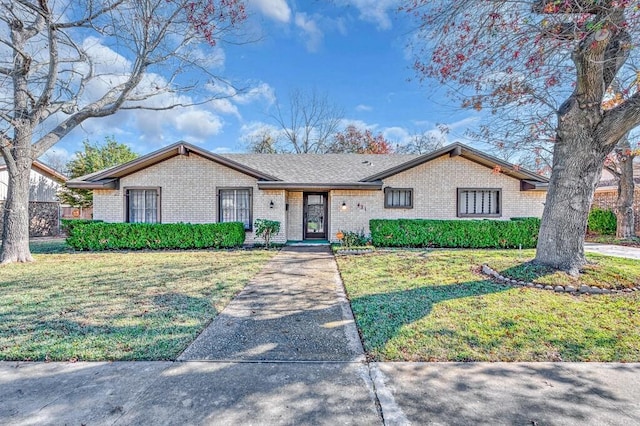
(606, 194)
(44, 206)
(312, 195)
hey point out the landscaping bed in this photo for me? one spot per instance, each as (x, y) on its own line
(116, 305)
(434, 305)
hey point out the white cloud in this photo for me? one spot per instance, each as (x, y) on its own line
(277, 10)
(225, 106)
(398, 135)
(198, 125)
(311, 30)
(375, 11)
(257, 129)
(357, 123)
(105, 60)
(464, 123)
(262, 91)
(363, 107)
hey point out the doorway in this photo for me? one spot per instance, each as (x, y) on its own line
(314, 216)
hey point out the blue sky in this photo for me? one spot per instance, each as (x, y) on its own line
(352, 50)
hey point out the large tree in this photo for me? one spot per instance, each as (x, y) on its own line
(92, 158)
(500, 53)
(59, 67)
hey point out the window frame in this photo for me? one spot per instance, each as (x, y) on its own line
(234, 188)
(158, 190)
(472, 215)
(389, 189)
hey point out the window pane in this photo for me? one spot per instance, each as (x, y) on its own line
(398, 197)
(479, 202)
(151, 198)
(143, 205)
(235, 206)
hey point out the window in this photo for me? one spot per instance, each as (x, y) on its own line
(143, 205)
(479, 202)
(395, 198)
(234, 205)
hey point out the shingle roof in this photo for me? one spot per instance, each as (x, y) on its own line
(321, 168)
(309, 171)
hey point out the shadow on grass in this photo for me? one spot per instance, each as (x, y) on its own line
(53, 246)
(381, 316)
(528, 271)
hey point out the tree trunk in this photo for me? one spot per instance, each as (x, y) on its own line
(578, 159)
(625, 227)
(15, 233)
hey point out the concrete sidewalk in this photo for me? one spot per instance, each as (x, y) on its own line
(613, 250)
(509, 393)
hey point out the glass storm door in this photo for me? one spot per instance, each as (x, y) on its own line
(315, 216)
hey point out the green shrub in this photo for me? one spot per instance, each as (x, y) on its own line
(602, 221)
(137, 236)
(67, 224)
(522, 232)
(354, 239)
(266, 229)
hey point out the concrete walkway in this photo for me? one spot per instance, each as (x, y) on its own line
(286, 351)
(613, 250)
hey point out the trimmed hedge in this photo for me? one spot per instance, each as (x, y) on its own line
(138, 236)
(602, 221)
(522, 232)
(68, 224)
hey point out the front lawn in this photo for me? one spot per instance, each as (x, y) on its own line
(434, 306)
(115, 305)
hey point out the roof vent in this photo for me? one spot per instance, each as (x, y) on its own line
(367, 162)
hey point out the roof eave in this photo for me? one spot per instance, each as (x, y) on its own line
(369, 186)
(179, 148)
(101, 184)
(458, 149)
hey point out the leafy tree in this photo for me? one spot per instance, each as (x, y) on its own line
(562, 55)
(93, 158)
(52, 80)
(308, 122)
(357, 141)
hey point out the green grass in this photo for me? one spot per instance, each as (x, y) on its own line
(117, 305)
(434, 306)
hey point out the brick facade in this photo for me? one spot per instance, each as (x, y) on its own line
(434, 185)
(189, 184)
(188, 193)
(606, 199)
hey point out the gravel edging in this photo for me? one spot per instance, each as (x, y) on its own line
(583, 289)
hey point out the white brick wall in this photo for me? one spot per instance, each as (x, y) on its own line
(434, 186)
(188, 194)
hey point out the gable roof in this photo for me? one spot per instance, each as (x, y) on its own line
(108, 178)
(43, 169)
(310, 171)
(479, 157)
(346, 171)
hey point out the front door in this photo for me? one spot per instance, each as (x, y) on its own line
(315, 216)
